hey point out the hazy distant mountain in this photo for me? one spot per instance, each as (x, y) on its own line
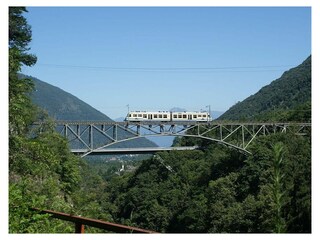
(61, 105)
(177, 109)
(216, 114)
(119, 119)
(291, 92)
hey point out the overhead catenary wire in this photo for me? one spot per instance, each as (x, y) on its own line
(174, 69)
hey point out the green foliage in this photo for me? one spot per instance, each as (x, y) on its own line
(20, 215)
(225, 210)
(277, 187)
(21, 110)
(218, 191)
(20, 36)
(295, 176)
(42, 171)
(43, 174)
(89, 198)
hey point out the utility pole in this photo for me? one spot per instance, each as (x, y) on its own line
(209, 113)
(128, 107)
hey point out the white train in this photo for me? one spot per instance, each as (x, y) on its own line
(167, 116)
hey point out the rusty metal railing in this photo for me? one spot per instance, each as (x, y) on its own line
(80, 223)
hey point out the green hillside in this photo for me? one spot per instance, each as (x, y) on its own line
(287, 98)
(61, 105)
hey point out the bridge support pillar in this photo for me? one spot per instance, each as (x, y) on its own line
(91, 137)
(65, 131)
(115, 132)
(173, 129)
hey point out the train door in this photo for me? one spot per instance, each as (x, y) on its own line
(149, 116)
(189, 116)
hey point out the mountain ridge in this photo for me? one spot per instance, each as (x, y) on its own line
(62, 105)
(292, 90)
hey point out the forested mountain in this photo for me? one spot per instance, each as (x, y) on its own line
(287, 98)
(62, 105)
(219, 190)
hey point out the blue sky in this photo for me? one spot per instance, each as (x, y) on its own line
(156, 58)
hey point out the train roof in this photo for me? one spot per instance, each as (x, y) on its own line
(179, 112)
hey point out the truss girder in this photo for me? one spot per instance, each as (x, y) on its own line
(98, 135)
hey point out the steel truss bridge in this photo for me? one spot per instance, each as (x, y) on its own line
(104, 137)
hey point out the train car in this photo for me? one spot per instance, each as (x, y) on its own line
(139, 116)
(191, 116)
(166, 116)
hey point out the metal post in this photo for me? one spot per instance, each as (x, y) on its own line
(115, 134)
(91, 137)
(138, 129)
(243, 136)
(79, 227)
(209, 113)
(66, 131)
(78, 130)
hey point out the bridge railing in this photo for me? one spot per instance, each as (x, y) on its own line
(80, 223)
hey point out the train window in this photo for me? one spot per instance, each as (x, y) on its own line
(194, 116)
(174, 116)
(184, 116)
(139, 115)
(204, 115)
(129, 115)
(165, 116)
(144, 115)
(180, 116)
(155, 116)
(160, 115)
(199, 116)
(134, 115)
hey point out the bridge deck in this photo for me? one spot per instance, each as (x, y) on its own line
(229, 123)
(114, 151)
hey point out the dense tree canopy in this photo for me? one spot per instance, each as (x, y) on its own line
(21, 110)
(220, 190)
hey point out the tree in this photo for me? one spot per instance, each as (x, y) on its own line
(42, 171)
(21, 110)
(277, 188)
